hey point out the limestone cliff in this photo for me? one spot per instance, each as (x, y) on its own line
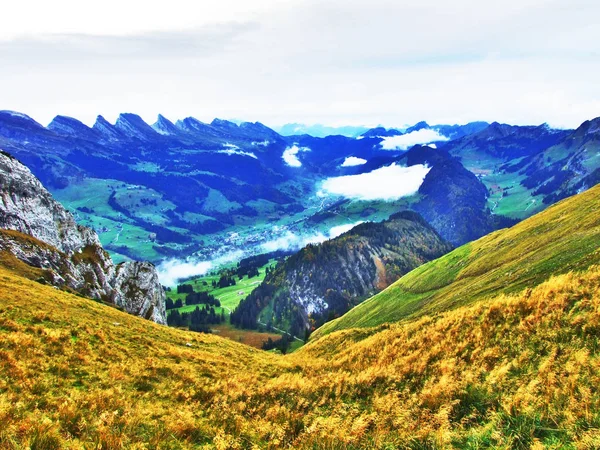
(70, 253)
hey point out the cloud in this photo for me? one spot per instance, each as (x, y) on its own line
(351, 161)
(290, 155)
(387, 183)
(406, 141)
(233, 149)
(341, 229)
(340, 70)
(171, 271)
(291, 241)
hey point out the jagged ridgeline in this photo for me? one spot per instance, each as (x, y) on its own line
(322, 282)
(39, 239)
(514, 371)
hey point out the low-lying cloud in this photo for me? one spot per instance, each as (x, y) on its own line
(341, 229)
(232, 151)
(351, 161)
(290, 155)
(173, 270)
(291, 241)
(386, 183)
(406, 141)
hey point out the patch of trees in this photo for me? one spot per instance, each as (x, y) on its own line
(282, 344)
(198, 320)
(185, 289)
(225, 281)
(250, 266)
(170, 304)
(198, 298)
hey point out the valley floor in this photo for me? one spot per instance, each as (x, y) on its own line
(516, 371)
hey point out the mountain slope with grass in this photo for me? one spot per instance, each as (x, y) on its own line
(512, 372)
(323, 281)
(564, 237)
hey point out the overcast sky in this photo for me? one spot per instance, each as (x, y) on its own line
(336, 62)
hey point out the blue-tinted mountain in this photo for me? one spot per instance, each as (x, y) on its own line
(318, 130)
(183, 187)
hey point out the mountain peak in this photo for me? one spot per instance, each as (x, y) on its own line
(422, 125)
(164, 126)
(224, 124)
(106, 129)
(69, 126)
(134, 126)
(15, 116)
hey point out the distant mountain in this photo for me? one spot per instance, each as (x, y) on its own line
(448, 131)
(382, 132)
(527, 168)
(324, 281)
(317, 130)
(175, 189)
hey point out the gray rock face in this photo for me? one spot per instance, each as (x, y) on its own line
(138, 290)
(70, 253)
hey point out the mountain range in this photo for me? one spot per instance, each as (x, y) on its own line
(188, 188)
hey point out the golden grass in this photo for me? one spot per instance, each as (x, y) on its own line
(249, 337)
(517, 371)
(565, 237)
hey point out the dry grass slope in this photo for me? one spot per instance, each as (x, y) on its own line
(520, 371)
(564, 237)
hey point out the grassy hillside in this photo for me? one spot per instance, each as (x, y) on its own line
(564, 237)
(518, 372)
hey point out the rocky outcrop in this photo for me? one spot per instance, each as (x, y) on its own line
(45, 235)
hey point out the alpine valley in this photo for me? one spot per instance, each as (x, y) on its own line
(221, 285)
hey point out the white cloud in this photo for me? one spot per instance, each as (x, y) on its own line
(171, 271)
(290, 155)
(341, 229)
(387, 183)
(337, 70)
(238, 152)
(353, 161)
(292, 241)
(406, 141)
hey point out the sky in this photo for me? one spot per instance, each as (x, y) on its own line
(335, 62)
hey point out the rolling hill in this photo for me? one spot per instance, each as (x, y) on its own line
(564, 237)
(514, 371)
